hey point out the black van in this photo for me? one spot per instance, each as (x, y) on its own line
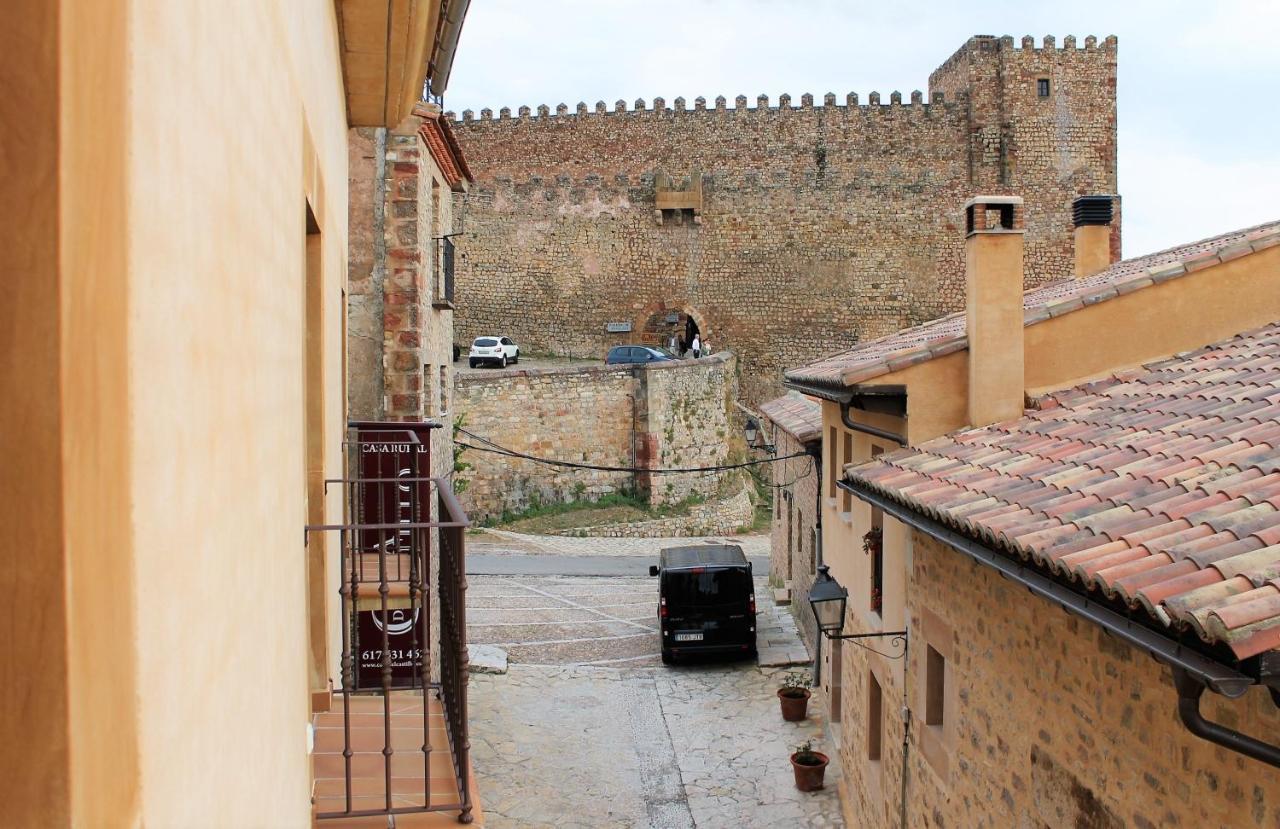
(706, 601)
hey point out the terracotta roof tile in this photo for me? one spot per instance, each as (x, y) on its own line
(948, 334)
(797, 414)
(1160, 489)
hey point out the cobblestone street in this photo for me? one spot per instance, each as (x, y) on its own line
(588, 728)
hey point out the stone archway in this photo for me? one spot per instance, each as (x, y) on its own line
(660, 322)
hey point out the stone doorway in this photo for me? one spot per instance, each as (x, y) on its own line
(667, 324)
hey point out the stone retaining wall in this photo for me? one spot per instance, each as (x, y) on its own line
(660, 416)
(723, 517)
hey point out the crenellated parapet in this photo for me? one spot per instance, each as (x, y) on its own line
(679, 106)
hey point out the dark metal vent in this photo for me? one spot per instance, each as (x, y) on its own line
(1092, 210)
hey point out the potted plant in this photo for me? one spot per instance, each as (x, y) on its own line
(809, 766)
(877, 600)
(794, 696)
(871, 540)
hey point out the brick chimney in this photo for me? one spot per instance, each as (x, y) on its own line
(1092, 218)
(993, 277)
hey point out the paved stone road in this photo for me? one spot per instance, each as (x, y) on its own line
(589, 729)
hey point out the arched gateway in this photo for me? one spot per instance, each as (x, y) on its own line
(660, 324)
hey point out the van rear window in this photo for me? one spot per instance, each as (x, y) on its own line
(486, 342)
(688, 588)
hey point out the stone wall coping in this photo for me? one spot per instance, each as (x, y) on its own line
(594, 368)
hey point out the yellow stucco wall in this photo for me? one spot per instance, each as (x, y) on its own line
(242, 105)
(160, 641)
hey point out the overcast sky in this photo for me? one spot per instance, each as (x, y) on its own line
(1198, 99)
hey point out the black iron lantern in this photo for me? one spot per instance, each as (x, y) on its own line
(755, 436)
(828, 600)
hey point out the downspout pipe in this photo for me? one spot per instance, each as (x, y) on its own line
(854, 426)
(1190, 690)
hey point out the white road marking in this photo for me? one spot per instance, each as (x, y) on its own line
(531, 624)
(554, 597)
(648, 632)
(471, 607)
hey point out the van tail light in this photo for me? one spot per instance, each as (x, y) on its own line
(751, 606)
(662, 607)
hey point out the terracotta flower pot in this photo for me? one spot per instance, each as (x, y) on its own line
(809, 775)
(795, 703)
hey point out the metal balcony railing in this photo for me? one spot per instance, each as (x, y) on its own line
(393, 657)
(446, 270)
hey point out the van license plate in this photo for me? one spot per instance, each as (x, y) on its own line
(688, 637)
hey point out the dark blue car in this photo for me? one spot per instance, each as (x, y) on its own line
(629, 354)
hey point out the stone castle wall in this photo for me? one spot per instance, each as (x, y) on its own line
(817, 225)
(672, 415)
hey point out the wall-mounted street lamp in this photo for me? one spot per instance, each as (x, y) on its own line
(829, 598)
(755, 436)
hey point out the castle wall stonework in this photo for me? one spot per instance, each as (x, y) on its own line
(673, 415)
(817, 225)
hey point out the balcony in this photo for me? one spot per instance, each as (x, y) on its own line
(394, 740)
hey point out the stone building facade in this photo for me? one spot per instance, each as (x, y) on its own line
(399, 293)
(795, 425)
(667, 415)
(783, 232)
(1048, 721)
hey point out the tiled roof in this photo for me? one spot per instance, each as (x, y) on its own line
(947, 334)
(1158, 488)
(799, 415)
(443, 146)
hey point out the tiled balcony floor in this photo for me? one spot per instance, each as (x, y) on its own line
(368, 780)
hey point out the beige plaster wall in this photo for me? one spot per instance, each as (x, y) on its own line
(1155, 322)
(215, 355)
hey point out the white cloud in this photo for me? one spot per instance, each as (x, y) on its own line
(1197, 118)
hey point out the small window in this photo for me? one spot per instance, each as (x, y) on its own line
(831, 462)
(846, 499)
(875, 719)
(935, 677)
(1042, 87)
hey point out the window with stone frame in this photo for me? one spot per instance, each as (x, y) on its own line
(1042, 87)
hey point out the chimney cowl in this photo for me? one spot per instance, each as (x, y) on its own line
(1092, 210)
(993, 214)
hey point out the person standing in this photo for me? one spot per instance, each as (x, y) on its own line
(706, 347)
(674, 344)
(696, 347)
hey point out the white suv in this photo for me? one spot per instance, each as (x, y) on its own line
(496, 350)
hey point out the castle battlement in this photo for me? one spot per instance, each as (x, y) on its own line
(721, 104)
(1025, 49)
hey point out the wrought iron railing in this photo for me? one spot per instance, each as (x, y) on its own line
(387, 586)
(446, 269)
